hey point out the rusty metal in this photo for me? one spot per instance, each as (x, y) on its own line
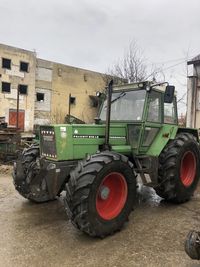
(10, 140)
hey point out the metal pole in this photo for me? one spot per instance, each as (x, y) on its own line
(69, 105)
(17, 121)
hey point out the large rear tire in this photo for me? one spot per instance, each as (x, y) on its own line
(178, 173)
(28, 185)
(100, 193)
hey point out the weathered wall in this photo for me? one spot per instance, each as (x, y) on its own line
(43, 86)
(80, 83)
(55, 81)
(16, 77)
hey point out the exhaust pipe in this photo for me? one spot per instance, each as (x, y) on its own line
(107, 131)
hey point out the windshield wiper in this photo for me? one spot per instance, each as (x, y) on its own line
(122, 94)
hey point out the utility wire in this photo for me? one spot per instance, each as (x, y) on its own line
(180, 99)
(182, 60)
(172, 66)
(171, 60)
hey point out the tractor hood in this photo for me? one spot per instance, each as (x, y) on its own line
(75, 141)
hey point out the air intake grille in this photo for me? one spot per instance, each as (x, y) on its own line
(48, 143)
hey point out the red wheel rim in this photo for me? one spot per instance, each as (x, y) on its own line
(188, 168)
(111, 196)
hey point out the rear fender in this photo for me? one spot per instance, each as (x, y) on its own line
(189, 130)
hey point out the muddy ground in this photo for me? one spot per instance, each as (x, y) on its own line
(41, 234)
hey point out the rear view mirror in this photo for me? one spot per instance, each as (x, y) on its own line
(169, 94)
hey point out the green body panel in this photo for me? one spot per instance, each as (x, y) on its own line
(166, 133)
(79, 140)
(76, 141)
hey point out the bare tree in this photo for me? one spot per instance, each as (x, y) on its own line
(58, 116)
(133, 67)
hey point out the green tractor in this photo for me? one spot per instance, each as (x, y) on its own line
(136, 133)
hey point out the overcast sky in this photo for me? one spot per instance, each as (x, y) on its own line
(93, 34)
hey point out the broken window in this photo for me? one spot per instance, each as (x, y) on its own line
(6, 63)
(40, 97)
(24, 66)
(5, 87)
(72, 100)
(23, 89)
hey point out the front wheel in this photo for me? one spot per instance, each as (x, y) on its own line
(29, 183)
(178, 172)
(100, 193)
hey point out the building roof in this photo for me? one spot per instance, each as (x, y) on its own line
(195, 60)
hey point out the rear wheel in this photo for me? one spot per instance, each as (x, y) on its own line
(29, 185)
(178, 173)
(100, 193)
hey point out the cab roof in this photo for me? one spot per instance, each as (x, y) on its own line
(140, 85)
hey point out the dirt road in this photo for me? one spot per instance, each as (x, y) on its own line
(41, 234)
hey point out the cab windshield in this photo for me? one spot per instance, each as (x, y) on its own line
(125, 106)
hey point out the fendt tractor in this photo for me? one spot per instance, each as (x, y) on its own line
(136, 133)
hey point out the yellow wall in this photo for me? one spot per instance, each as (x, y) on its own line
(80, 83)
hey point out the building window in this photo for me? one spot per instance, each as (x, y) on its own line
(24, 66)
(85, 77)
(23, 89)
(5, 87)
(6, 63)
(40, 97)
(72, 100)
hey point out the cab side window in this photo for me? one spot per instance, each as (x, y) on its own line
(169, 113)
(154, 111)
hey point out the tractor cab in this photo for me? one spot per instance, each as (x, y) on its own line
(143, 108)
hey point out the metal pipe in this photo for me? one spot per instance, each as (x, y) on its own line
(107, 130)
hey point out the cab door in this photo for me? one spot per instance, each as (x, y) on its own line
(153, 120)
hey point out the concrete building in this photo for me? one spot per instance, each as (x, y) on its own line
(17, 71)
(193, 94)
(48, 91)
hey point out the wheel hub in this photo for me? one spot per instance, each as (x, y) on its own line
(104, 192)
